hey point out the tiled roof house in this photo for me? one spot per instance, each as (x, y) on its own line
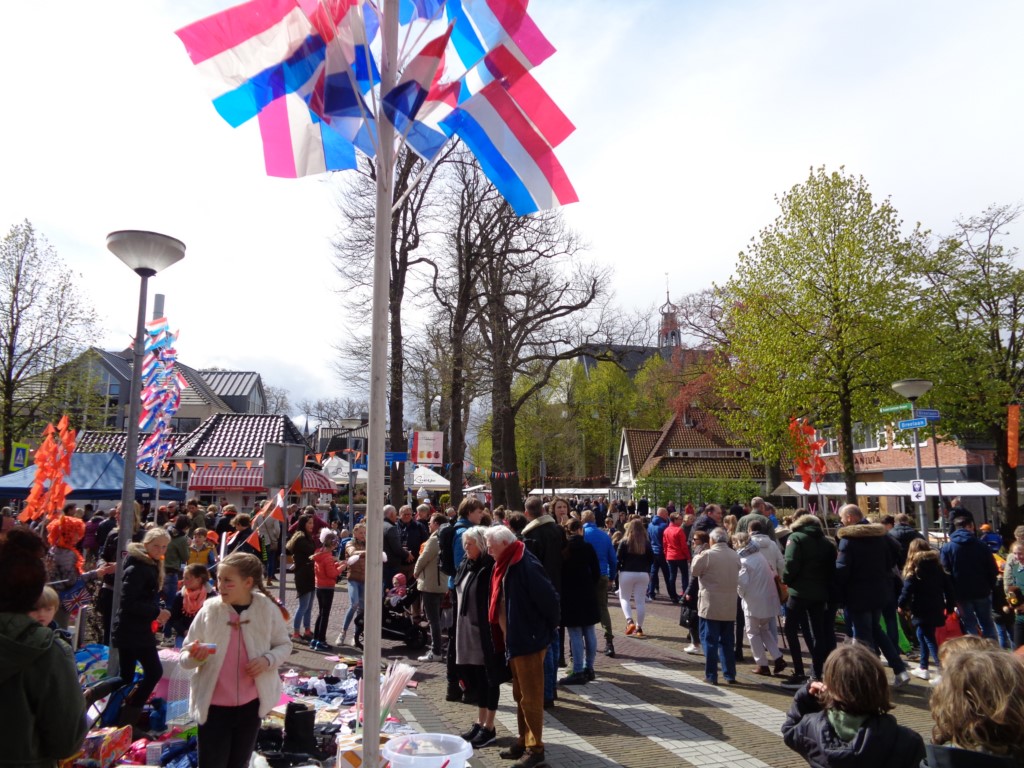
(690, 446)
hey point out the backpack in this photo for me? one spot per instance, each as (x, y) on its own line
(446, 550)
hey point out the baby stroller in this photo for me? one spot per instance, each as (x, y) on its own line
(397, 622)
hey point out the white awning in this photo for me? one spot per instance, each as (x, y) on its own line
(591, 492)
(882, 488)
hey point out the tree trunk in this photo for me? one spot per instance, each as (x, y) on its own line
(846, 446)
(396, 399)
(1007, 480)
(457, 449)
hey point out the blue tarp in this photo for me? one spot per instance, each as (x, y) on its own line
(93, 476)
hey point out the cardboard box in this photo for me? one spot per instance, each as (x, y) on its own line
(350, 751)
(107, 745)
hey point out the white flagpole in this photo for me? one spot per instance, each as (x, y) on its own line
(378, 380)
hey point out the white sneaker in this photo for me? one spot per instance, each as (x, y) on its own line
(428, 656)
(342, 638)
(901, 679)
(935, 679)
(691, 649)
(923, 674)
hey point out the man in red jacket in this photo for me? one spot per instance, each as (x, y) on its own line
(677, 555)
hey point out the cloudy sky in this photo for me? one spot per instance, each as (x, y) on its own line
(691, 116)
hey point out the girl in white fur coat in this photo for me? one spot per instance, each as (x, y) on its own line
(235, 645)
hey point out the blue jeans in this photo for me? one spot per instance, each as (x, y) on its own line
(716, 637)
(867, 628)
(926, 639)
(356, 595)
(659, 564)
(551, 667)
(578, 636)
(304, 613)
(273, 558)
(975, 612)
(682, 568)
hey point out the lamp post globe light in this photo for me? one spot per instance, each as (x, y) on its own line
(145, 253)
(913, 389)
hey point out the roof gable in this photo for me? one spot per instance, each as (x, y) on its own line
(232, 383)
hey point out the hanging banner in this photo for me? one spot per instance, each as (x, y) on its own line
(1013, 435)
(425, 447)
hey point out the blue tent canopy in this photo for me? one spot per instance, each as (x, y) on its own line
(93, 476)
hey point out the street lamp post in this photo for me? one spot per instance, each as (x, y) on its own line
(913, 389)
(145, 253)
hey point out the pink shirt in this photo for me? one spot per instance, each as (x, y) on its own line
(234, 685)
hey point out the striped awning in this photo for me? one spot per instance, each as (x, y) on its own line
(212, 478)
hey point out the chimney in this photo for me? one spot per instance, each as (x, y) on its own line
(158, 306)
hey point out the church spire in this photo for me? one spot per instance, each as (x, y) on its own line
(668, 335)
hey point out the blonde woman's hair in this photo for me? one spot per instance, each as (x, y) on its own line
(249, 566)
(636, 537)
(918, 548)
(979, 703)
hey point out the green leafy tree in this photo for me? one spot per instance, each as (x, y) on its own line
(978, 289)
(820, 317)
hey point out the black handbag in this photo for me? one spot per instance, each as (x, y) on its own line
(688, 617)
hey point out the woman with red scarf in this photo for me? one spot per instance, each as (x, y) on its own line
(524, 615)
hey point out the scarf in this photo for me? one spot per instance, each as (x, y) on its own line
(192, 601)
(512, 554)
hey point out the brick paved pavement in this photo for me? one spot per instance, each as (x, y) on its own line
(648, 707)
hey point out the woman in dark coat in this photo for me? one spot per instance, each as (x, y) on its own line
(301, 547)
(132, 630)
(580, 574)
(479, 664)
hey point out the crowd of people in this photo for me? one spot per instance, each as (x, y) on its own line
(514, 597)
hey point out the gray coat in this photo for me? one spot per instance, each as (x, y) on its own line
(718, 569)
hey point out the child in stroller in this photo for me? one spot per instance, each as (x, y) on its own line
(398, 621)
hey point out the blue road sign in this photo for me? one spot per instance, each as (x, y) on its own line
(927, 413)
(392, 456)
(913, 423)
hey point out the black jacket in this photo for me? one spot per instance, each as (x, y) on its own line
(866, 569)
(482, 568)
(546, 539)
(580, 573)
(633, 563)
(397, 554)
(810, 568)
(140, 601)
(951, 757)
(879, 742)
(928, 593)
(904, 534)
(301, 547)
(531, 607)
(969, 561)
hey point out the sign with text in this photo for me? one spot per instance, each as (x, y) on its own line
(913, 423)
(426, 447)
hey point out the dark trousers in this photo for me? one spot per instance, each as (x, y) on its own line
(659, 564)
(681, 568)
(324, 601)
(741, 627)
(807, 618)
(867, 629)
(152, 671)
(228, 737)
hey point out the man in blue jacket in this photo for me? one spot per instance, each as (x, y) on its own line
(966, 558)
(655, 531)
(602, 544)
(524, 613)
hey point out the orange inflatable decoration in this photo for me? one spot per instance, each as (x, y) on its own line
(53, 463)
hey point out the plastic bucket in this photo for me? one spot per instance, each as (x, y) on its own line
(427, 750)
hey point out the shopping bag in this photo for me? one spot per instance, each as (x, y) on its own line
(950, 629)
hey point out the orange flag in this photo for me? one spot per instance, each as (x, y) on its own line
(254, 540)
(1013, 435)
(297, 485)
(248, 465)
(234, 464)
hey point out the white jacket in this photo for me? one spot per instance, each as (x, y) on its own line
(771, 552)
(757, 584)
(265, 634)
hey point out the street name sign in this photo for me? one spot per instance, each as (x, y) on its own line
(913, 423)
(895, 408)
(927, 413)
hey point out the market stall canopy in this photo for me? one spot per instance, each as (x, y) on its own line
(425, 477)
(93, 476)
(883, 488)
(214, 478)
(591, 492)
(337, 469)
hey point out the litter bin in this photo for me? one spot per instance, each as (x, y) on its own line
(427, 750)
